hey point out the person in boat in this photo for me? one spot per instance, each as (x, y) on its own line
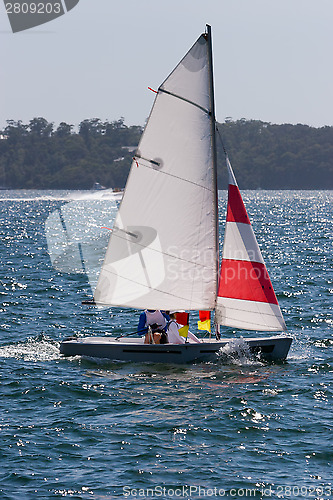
(153, 323)
(173, 334)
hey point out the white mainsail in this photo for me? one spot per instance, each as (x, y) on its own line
(162, 250)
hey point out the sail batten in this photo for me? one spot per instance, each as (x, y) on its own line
(185, 100)
(202, 186)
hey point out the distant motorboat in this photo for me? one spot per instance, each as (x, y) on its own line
(98, 187)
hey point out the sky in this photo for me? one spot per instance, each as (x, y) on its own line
(272, 60)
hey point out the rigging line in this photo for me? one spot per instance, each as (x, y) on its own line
(168, 173)
(220, 137)
(185, 100)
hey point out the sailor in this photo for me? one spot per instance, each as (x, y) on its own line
(173, 330)
(173, 334)
(153, 324)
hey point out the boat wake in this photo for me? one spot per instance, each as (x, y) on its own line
(59, 195)
(237, 352)
(39, 348)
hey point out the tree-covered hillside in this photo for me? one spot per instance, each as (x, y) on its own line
(279, 156)
(38, 155)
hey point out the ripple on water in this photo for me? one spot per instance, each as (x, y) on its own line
(83, 428)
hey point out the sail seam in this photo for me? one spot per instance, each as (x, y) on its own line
(264, 315)
(234, 259)
(247, 321)
(197, 306)
(258, 301)
(185, 100)
(115, 235)
(259, 329)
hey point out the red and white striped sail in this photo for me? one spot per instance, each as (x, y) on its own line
(246, 298)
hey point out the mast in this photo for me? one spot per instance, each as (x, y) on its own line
(213, 139)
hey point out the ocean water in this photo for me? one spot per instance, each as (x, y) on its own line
(87, 429)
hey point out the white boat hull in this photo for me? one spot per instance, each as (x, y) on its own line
(267, 348)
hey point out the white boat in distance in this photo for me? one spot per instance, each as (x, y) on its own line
(163, 252)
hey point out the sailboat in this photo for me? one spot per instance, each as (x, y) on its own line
(163, 251)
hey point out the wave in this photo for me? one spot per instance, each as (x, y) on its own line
(39, 348)
(61, 195)
(237, 352)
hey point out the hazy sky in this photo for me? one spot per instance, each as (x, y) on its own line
(272, 58)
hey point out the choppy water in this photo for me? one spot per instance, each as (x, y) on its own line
(101, 430)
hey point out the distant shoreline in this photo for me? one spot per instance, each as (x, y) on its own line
(264, 156)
